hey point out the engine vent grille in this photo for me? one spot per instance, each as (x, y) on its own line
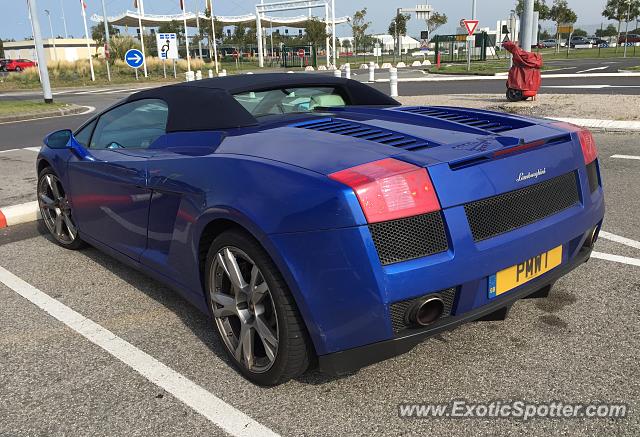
(479, 120)
(365, 132)
(503, 213)
(398, 310)
(409, 238)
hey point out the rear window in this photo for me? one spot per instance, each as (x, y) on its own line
(290, 100)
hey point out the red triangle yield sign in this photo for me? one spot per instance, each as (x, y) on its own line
(471, 26)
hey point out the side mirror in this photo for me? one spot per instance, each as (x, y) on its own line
(59, 140)
(63, 139)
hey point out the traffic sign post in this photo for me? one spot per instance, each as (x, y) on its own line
(301, 55)
(134, 59)
(471, 26)
(167, 48)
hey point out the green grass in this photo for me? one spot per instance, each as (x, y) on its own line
(636, 68)
(14, 107)
(550, 54)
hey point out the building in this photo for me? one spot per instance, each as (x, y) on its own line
(65, 49)
(387, 43)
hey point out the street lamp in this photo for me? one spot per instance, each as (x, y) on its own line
(64, 20)
(53, 37)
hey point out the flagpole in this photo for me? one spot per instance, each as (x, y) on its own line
(213, 32)
(186, 33)
(144, 56)
(86, 35)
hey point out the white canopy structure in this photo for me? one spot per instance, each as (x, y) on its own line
(130, 19)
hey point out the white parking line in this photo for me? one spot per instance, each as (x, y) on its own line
(625, 157)
(223, 415)
(592, 69)
(618, 239)
(616, 258)
(32, 149)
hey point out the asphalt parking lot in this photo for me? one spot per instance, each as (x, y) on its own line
(580, 345)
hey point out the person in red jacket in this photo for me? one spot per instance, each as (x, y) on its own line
(524, 77)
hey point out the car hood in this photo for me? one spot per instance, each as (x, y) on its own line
(326, 142)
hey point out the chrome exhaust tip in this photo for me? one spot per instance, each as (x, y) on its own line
(426, 311)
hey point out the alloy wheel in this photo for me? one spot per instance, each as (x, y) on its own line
(56, 209)
(244, 310)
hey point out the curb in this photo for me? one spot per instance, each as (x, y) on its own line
(616, 125)
(59, 112)
(17, 214)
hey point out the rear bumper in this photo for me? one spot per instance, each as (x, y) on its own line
(349, 360)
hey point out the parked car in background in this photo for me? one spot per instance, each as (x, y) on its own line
(18, 64)
(631, 38)
(547, 43)
(579, 41)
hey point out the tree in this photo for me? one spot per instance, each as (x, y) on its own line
(609, 31)
(1, 49)
(540, 6)
(121, 44)
(359, 27)
(205, 30)
(98, 35)
(398, 28)
(315, 32)
(616, 10)
(580, 32)
(561, 13)
(435, 21)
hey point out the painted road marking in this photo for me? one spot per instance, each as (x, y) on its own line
(223, 415)
(616, 258)
(592, 69)
(618, 239)
(625, 157)
(33, 149)
(591, 87)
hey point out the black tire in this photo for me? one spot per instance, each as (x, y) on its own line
(72, 240)
(514, 95)
(294, 350)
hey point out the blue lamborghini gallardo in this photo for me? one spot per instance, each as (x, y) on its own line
(318, 221)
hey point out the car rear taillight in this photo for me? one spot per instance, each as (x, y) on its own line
(390, 189)
(587, 142)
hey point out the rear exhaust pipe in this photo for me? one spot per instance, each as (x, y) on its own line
(593, 237)
(426, 311)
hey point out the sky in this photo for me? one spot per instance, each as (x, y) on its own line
(15, 20)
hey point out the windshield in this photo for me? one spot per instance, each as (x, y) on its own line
(290, 100)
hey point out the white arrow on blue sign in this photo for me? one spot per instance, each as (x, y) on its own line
(134, 58)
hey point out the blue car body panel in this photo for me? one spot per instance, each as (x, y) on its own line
(150, 208)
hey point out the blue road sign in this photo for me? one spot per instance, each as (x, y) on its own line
(134, 58)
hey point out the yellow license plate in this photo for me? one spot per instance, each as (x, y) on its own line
(519, 274)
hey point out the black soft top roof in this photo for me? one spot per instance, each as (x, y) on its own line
(209, 104)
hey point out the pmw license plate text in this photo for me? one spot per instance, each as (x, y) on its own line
(519, 274)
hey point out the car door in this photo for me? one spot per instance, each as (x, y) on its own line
(109, 190)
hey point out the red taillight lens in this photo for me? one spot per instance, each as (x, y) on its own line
(589, 149)
(587, 142)
(390, 189)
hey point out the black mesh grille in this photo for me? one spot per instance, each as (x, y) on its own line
(398, 310)
(366, 132)
(409, 238)
(506, 212)
(482, 120)
(592, 173)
